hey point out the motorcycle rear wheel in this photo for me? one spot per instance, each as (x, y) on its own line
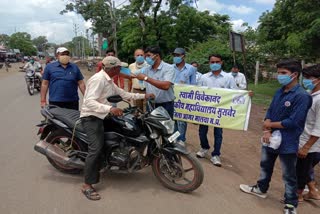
(57, 138)
(178, 178)
(30, 87)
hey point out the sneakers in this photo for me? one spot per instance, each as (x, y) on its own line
(289, 209)
(216, 161)
(202, 153)
(254, 190)
(182, 143)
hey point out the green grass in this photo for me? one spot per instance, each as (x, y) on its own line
(263, 92)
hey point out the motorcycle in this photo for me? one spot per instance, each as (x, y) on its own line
(132, 142)
(33, 82)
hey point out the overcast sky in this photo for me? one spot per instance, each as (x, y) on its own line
(42, 18)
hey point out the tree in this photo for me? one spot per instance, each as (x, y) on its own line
(291, 29)
(4, 39)
(22, 41)
(41, 43)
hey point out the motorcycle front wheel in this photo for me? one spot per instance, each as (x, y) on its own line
(178, 172)
(30, 87)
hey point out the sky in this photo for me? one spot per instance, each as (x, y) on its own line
(42, 18)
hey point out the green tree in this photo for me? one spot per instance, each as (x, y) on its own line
(291, 29)
(41, 43)
(4, 39)
(22, 41)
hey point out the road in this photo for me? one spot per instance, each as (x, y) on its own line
(30, 185)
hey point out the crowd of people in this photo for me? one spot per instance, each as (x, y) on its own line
(294, 111)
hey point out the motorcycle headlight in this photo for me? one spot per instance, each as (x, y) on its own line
(169, 124)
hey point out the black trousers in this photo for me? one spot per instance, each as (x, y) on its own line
(70, 105)
(94, 129)
(304, 166)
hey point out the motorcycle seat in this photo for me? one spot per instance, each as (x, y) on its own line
(67, 116)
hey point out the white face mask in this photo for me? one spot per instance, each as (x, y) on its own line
(64, 59)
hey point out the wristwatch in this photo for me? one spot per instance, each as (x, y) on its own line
(145, 78)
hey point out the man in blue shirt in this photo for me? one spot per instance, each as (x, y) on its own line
(216, 78)
(63, 79)
(159, 79)
(287, 113)
(185, 74)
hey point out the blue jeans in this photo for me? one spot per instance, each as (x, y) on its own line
(288, 164)
(203, 131)
(182, 128)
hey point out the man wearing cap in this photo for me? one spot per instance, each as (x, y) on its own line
(239, 78)
(137, 85)
(159, 79)
(63, 79)
(94, 109)
(185, 74)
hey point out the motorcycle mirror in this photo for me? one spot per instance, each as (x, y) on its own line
(114, 99)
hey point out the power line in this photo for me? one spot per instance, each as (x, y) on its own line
(121, 3)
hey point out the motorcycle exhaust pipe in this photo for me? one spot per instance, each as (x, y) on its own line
(58, 155)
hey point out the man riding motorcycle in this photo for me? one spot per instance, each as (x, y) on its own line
(36, 66)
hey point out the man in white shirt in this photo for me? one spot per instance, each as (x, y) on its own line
(216, 78)
(239, 77)
(94, 109)
(309, 143)
(35, 66)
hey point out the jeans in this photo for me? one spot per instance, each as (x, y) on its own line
(182, 128)
(203, 131)
(288, 164)
(94, 129)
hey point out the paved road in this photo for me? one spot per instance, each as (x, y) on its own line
(30, 185)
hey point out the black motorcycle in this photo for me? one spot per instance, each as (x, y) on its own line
(132, 142)
(33, 82)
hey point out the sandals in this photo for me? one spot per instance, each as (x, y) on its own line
(309, 197)
(91, 194)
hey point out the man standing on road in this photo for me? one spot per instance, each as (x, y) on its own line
(185, 74)
(94, 109)
(63, 79)
(239, 77)
(137, 85)
(287, 113)
(309, 145)
(159, 79)
(216, 78)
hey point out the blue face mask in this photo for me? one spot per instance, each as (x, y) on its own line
(140, 59)
(177, 60)
(215, 66)
(284, 79)
(150, 61)
(308, 84)
(234, 74)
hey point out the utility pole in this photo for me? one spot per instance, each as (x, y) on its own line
(113, 24)
(75, 29)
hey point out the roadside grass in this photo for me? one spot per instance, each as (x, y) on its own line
(263, 92)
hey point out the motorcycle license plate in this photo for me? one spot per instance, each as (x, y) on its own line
(174, 136)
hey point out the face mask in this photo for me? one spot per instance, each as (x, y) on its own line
(215, 66)
(140, 59)
(177, 60)
(308, 84)
(234, 74)
(284, 79)
(150, 61)
(64, 59)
